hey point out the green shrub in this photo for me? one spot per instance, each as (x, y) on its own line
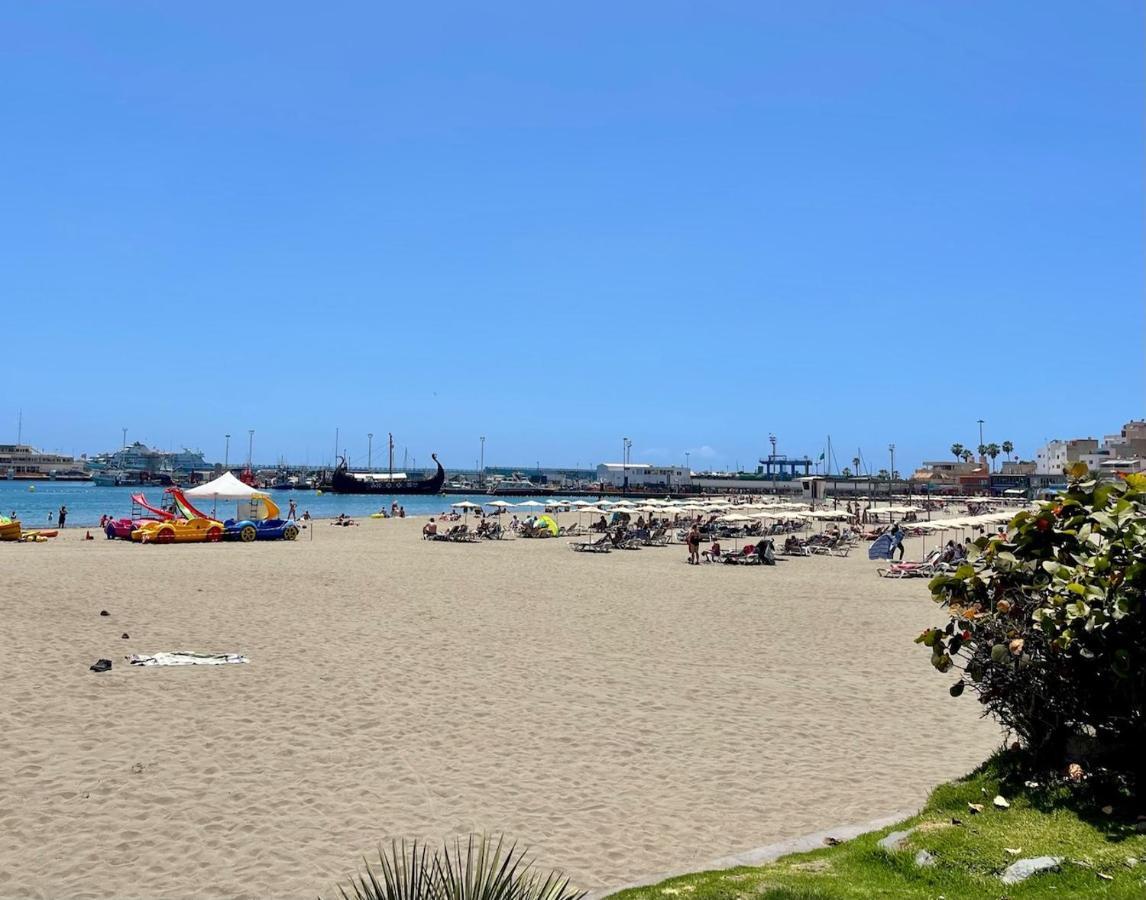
(1047, 627)
(481, 870)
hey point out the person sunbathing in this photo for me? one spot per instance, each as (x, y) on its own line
(429, 530)
(712, 554)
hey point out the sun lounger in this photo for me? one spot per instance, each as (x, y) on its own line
(601, 545)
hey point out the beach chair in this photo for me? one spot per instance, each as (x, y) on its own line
(603, 544)
(630, 541)
(464, 536)
(745, 557)
(444, 535)
(928, 567)
(658, 538)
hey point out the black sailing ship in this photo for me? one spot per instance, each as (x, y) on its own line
(343, 481)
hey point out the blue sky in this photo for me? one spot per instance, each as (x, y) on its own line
(560, 224)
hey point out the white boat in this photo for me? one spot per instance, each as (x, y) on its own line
(516, 485)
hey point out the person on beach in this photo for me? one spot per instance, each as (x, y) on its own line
(63, 516)
(49, 518)
(401, 512)
(293, 511)
(430, 529)
(766, 552)
(694, 545)
(897, 540)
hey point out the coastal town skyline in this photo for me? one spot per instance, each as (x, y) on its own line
(371, 449)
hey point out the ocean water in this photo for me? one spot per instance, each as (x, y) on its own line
(86, 502)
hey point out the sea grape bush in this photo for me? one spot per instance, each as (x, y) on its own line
(1047, 626)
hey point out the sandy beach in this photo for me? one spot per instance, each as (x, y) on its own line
(623, 714)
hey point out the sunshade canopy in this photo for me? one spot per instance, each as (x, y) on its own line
(226, 487)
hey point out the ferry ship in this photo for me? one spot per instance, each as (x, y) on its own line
(26, 463)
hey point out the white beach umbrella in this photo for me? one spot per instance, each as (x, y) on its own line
(531, 504)
(465, 506)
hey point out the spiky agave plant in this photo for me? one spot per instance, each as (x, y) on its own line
(405, 875)
(483, 870)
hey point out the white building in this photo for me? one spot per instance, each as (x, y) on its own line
(1055, 457)
(643, 475)
(1119, 453)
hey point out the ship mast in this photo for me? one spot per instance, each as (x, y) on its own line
(391, 437)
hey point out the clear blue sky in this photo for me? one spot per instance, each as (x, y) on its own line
(561, 224)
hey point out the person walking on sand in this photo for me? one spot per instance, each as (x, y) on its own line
(896, 541)
(293, 511)
(63, 516)
(694, 546)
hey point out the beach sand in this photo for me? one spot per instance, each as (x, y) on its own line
(622, 714)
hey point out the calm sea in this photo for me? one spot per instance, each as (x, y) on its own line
(86, 502)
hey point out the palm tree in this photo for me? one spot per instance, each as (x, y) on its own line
(847, 473)
(856, 464)
(967, 456)
(993, 451)
(883, 473)
(981, 451)
(1008, 448)
(957, 450)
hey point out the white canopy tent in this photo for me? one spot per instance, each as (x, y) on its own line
(252, 503)
(225, 487)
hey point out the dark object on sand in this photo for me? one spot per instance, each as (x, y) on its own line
(101, 665)
(104, 612)
(125, 636)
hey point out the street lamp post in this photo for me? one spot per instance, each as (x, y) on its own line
(980, 436)
(481, 468)
(226, 452)
(250, 447)
(124, 444)
(891, 473)
(625, 464)
(370, 451)
(772, 461)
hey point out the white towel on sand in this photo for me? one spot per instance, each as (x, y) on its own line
(183, 658)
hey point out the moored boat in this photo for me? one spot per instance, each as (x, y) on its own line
(9, 529)
(343, 481)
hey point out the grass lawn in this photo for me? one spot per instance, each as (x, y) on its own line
(1103, 855)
